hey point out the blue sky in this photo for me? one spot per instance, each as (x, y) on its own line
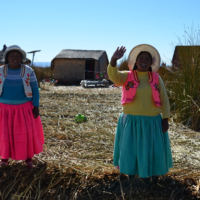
(53, 25)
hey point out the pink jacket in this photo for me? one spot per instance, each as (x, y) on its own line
(130, 87)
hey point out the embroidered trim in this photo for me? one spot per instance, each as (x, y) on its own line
(156, 102)
(22, 71)
(29, 94)
(13, 77)
(129, 85)
(128, 99)
(5, 70)
(136, 76)
(18, 77)
(27, 79)
(156, 87)
(150, 77)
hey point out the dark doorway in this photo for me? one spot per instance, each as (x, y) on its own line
(89, 69)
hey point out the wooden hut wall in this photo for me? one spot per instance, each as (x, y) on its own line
(103, 62)
(69, 69)
(96, 68)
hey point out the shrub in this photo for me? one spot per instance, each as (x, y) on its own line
(184, 87)
(42, 72)
(123, 66)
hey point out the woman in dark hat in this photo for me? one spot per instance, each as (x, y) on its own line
(21, 132)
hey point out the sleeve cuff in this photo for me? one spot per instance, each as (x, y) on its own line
(168, 118)
(111, 65)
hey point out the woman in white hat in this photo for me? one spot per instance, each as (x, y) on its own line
(21, 132)
(142, 144)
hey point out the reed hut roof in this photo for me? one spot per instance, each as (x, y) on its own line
(80, 54)
(184, 50)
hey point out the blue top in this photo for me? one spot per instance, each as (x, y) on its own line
(13, 89)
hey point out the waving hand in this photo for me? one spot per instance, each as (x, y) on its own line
(119, 53)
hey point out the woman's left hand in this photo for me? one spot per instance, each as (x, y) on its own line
(165, 125)
(35, 112)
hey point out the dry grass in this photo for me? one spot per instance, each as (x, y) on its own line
(77, 159)
(184, 88)
(184, 84)
(123, 65)
(86, 146)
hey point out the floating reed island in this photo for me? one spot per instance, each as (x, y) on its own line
(77, 159)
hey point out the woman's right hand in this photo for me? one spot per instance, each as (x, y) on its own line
(36, 112)
(119, 53)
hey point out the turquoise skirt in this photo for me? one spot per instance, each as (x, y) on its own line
(141, 148)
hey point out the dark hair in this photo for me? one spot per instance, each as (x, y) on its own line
(6, 59)
(135, 66)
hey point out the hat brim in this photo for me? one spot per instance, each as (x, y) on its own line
(144, 47)
(23, 53)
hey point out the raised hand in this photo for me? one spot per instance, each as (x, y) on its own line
(119, 53)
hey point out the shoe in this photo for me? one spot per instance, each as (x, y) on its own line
(30, 165)
(155, 179)
(3, 164)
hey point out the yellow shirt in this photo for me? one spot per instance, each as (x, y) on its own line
(143, 102)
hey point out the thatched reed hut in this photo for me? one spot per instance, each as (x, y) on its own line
(76, 65)
(185, 54)
(28, 61)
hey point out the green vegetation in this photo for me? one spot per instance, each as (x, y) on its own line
(184, 87)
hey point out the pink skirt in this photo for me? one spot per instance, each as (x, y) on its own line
(21, 136)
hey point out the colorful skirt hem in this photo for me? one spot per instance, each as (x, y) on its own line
(21, 136)
(141, 148)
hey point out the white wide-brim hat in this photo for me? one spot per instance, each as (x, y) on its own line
(15, 48)
(144, 47)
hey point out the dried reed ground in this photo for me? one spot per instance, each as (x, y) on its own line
(77, 159)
